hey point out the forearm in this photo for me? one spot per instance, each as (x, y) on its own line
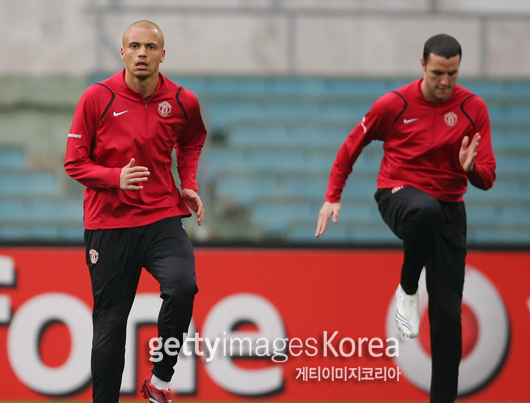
(482, 176)
(91, 175)
(187, 169)
(342, 167)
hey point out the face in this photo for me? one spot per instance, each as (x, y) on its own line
(440, 77)
(142, 51)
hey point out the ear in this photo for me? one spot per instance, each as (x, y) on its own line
(122, 53)
(162, 56)
(423, 65)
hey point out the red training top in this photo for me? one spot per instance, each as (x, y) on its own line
(111, 125)
(422, 140)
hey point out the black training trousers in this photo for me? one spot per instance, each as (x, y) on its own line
(434, 237)
(115, 258)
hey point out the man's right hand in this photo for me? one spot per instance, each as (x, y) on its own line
(132, 176)
(327, 210)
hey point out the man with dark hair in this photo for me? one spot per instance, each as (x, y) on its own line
(120, 148)
(431, 130)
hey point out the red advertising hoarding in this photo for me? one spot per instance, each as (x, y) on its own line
(285, 325)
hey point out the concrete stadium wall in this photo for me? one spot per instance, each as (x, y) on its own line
(53, 46)
(36, 113)
(332, 37)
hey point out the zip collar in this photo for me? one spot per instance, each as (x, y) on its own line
(125, 88)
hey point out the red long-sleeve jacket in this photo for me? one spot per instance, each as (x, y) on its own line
(111, 125)
(421, 142)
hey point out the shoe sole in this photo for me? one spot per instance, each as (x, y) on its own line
(147, 395)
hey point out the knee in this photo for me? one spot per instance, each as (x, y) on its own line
(426, 215)
(181, 289)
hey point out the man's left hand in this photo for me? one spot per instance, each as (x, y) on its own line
(468, 152)
(194, 202)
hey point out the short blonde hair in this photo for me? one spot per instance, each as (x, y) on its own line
(145, 24)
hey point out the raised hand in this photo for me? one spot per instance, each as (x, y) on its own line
(468, 152)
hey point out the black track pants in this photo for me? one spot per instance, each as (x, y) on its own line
(434, 237)
(164, 249)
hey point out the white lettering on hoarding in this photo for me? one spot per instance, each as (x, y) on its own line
(227, 314)
(7, 279)
(23, 344)
(222, 339)
(33, 317)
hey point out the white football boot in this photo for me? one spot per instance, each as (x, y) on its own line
(407, 315)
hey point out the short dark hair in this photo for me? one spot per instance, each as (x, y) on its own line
(441, 45)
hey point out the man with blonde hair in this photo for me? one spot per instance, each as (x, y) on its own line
(120, 148)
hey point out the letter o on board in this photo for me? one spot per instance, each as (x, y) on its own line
(484, 361)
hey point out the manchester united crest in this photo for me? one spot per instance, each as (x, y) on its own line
(164, 108)
(94, 255)
(451, 118)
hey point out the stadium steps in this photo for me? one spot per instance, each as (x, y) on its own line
(274, 140)
(34, 205)
(268, 160)
(271, 144)
(29, 183)
(288, 86)
(12, 158)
